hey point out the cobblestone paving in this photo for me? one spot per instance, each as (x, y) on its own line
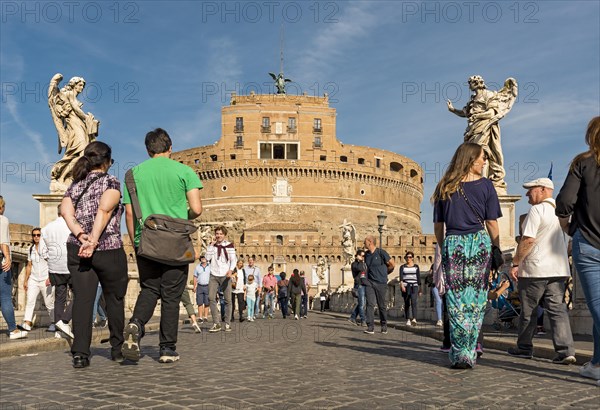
(318, 363)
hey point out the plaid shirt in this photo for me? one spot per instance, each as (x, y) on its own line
(87, 208)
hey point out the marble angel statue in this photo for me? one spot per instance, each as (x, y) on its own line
(348, 242)
(483, 112)
(76, 129)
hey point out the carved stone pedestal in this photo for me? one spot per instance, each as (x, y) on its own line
(507, 223)
(48, 205)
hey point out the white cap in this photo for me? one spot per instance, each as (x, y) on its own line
(545, 182)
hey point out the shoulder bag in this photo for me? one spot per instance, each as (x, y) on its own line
(164, 239)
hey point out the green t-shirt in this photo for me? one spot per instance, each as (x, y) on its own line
(162, 184)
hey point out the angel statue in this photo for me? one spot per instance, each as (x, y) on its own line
(483, 112)
(206, 238)
(348, 241)
(320, 270)
(280, 81)
(75, 128)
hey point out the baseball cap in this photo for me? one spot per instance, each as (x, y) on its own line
(545, 182)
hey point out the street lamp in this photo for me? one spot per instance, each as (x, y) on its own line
(328, 262)
(381, 222)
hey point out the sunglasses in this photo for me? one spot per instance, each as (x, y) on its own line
(36, 235)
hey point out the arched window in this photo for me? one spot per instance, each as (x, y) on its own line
(279, 239)
(396, 166)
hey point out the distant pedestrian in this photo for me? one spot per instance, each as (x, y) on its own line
(359, 273)
(189, 308)
(201, 278)
(466, 209)
(223, 260)
(410, 279)
(92, 209)
(254, 270)
(269, 288)
(237, 290)
(379, 266)
(296, 287)
(323, 299)
(578, 199)
(304, 300)
(283, 294)
(250, 289)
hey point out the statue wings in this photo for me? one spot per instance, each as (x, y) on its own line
(57, 105)
(505, 99)
(273, 76)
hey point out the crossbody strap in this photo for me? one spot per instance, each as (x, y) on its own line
(464, 195)
(100, 175)
(135, 203)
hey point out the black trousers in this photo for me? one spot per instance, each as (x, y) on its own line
(376, 294)
(164, 282)
(410, 301)
(110, 268)
(240, 303)
(61, 283)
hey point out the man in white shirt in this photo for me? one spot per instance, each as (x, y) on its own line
(55, 236)
(222, 258)
(541, 267)
(37, 281)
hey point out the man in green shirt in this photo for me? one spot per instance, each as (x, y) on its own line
(165, 187)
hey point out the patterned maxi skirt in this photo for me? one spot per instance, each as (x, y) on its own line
(466, 261)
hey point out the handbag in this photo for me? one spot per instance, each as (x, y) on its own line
(354, 293)
(163, 239)
(496, 256)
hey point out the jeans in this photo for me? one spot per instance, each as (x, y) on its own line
(250, 302)
(223, 283)
(269, 301)
(304, 307)
(34, 288)
(359, 310)
(438, 302)
(283, 303)
(164, 282)
(97, 307)
(376, 293)
(587, 262)
(8, 310)
(410, 301)
(551, 291)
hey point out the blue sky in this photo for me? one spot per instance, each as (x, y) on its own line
(388, 67)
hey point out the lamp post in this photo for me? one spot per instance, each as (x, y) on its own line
(381, 222)
(328, 262)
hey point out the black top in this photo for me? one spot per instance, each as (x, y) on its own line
(357, 268)
(580, 195)
(376, 264)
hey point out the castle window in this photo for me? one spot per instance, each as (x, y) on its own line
(317, 125)
(197, 161)
(291, 127)
(378, 162)
(323, 157)
(291, 151)
(279, 239)
(362, 192)
(239, 141)
(266, 125)
(343, 158)
(361, 161)
(232, 156)
(280, 150)
(317, 142)
(413, 173)
(239, 124)
(396, 167)
(213, 157)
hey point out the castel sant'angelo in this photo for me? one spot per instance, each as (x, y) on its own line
(283, 184)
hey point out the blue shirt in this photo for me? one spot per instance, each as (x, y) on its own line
(458, 216)
(202, 274)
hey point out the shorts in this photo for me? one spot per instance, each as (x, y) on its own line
(202, 295)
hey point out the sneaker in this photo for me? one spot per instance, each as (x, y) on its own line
(79, 362)
(414, 322)
(196, 327)
(540, 331)
(200, 320)
(564, 360)
(384, 330)
(445, 349)
(352, 321)
(131, 346)
(461, 365)
(51, 328)
(516, 352)
(296, 317)
(439, 323)
(206, 319)
(65, 328)
(25, 327)
(369, 331)
(590, 371)
(479, 350)
(304, 317)
(168, 355)
(408, 322)
(102, 323)
(216, 328)
(17, 334)
(227, 327)
(58, 335)
(117, 356)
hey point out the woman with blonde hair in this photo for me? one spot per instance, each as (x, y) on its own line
(578, 200)
(466, 209)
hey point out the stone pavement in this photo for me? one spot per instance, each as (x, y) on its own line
(318, 363)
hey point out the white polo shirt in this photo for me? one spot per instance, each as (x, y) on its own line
(39, 265)
(548, 257)
(55, 236)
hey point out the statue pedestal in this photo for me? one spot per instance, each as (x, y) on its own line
(48, 205)
(506, 224)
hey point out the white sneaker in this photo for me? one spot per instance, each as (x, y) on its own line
(58, 335)
(439, 323)
(17, 334)
(590, 371)
(408, 322)
(196, 328)
(296, 317)
(65, 328)
(25, 327)
(414, 322)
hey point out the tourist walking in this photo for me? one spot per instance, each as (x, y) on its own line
(296, 287)
(269, 290)
(466, 209)
(578, 200)
(250, 291)
(410, 279)
(359, 272)
(186, 301)
(304, 301)
(379, 266)
(254, 270)
(283, 293)
(238, 280)
(540, 268)
(223, 260)
(166, 187)
(201, 278)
